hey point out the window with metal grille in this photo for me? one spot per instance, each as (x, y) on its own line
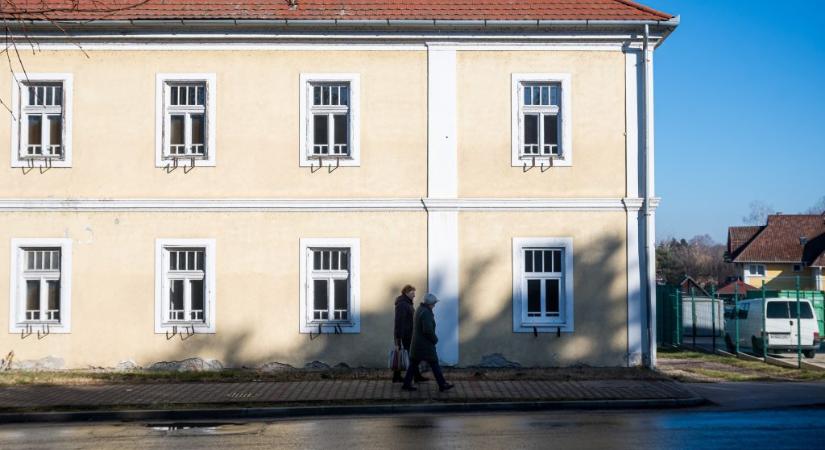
(185, 119)
(42, 120)
(185, 278)
(41, 278)
(543, 279)
(329, 284)
(329, 119)
(540, 111)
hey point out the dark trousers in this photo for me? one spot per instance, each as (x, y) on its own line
(413, 369)
(396, 374)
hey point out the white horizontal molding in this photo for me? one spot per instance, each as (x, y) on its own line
(265, 46)
(327, 205)
(532, 204)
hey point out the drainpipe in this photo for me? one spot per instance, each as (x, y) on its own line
(650, 235)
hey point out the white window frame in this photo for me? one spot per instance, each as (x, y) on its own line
(17, 308)
(161, 159)
(565, 116)
(162, 324)
(749, 273)
(305, 147)
(18, 138)
(306, 323)
(564, 323)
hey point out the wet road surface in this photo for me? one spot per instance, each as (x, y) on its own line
(769, 429)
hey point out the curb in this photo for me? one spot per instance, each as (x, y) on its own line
(309, 411)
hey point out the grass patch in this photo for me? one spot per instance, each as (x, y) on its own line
(90, 377)
(687, 365)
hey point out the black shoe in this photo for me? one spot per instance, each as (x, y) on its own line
(446, 387)
(421, 379)
(409, 388)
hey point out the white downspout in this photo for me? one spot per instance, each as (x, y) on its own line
(650, 233)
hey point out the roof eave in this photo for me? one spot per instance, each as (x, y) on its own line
(667, 25)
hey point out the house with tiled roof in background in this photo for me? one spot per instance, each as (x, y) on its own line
(789, 247)
(250, 183)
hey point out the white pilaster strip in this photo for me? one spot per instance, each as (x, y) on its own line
(635, 306)
(442, 271)
(442, 183)
(442, 153)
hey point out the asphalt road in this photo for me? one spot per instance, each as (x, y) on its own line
(769, 429)
(753, 416)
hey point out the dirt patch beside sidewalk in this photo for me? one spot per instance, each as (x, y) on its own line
(690, 366)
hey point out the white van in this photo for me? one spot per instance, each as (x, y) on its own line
(780, 324)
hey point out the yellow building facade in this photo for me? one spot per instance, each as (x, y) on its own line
(255, 199)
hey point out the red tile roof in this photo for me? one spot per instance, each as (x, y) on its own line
(735, 286)
(787, 238)
(330, 9)
(738, 237)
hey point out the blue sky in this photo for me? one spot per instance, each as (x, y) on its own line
(740, 112)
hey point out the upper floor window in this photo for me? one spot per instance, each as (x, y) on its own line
(330, 294)
(755, 270)
(186, 121)
(542, 284)
(329, 119)
(42, 120)
(186, 288)
(41, 285)
(542, 121)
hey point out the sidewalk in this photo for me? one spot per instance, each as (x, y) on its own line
(325, 396)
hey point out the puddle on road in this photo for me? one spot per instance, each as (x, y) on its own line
(204, 428)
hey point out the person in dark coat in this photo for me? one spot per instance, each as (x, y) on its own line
(423, 345)
(404, 311)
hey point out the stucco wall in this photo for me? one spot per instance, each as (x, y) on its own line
(257, 285)
(600, 288)
(484, 125)
(782, 276)
(257, 126)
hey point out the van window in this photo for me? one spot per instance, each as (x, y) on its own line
(787, 310)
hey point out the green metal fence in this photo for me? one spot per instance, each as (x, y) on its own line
(738, 325)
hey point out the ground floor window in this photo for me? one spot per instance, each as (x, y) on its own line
(542, 284)
(185, 288)
(41, 286)
(330, 286)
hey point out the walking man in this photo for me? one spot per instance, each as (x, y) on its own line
(423, 345)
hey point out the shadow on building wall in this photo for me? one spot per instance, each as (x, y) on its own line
(485, 322)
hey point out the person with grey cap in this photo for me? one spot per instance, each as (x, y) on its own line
(423, 345)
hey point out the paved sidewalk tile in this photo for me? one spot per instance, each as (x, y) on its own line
(331, 391)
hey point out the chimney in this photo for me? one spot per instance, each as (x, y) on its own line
(803, 240)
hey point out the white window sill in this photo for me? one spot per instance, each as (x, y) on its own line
(42, 327)
(41, 163)
(544, 327)
(522, 160)
(329, 161)
(185, 162)
(330, 328)
(182, 327)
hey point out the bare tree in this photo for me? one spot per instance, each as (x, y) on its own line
(16, 15)
(818, 208)
(759, 212)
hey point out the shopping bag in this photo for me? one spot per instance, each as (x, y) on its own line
(399, 359)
